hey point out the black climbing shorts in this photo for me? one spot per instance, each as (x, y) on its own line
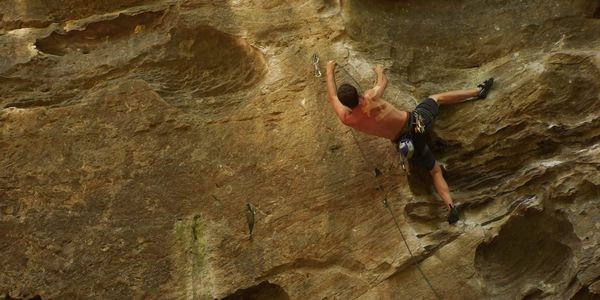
(428, 110)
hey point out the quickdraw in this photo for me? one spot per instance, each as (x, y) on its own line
(315, 61)
(404, 164)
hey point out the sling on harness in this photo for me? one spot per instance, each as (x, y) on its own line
(405, 145)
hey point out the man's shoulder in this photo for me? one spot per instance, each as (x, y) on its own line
(351, 119)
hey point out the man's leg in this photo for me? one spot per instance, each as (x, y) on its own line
(440, 185)
(442, 189)
(436, 173)
(452, 97)
(427, 161)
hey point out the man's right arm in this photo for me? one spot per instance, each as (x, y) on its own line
(379, 89)
(342, 111)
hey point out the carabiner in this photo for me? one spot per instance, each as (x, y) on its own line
(315, 60)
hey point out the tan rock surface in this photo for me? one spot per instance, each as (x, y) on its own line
(134, 133)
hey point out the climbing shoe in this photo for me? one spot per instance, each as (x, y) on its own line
(485, 86)
(452, 215)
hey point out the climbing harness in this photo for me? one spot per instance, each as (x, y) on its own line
(315, 61)
(405, 145)
(409, 146)
(419, 127)
(387, 204)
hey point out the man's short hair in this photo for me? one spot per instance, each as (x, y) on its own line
(348, 95)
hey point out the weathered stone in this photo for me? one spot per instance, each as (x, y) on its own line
(134, 134)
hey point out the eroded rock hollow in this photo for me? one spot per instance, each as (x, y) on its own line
(134, 134)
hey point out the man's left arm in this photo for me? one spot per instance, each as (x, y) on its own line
(382, 81)
(341, 111)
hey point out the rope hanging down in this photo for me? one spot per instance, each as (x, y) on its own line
(386, 203)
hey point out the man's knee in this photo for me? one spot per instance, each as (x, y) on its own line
(436, 97)
(436, 170)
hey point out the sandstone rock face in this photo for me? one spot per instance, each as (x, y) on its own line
(134, 133)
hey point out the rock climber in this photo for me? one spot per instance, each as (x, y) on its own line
(371, 114)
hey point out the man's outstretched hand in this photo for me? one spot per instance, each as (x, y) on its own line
(378, 69)
(331, 66)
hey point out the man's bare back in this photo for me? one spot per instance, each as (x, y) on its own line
(370, 113)
(377, 117)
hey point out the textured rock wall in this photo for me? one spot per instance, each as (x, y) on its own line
(134, 133)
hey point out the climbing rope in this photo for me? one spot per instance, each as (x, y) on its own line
(387, 204)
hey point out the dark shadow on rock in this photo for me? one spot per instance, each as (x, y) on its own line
(264, 290)
(596, 14)
(531, 252)
(97, 34)
(35, 297)
(201, 62)
(425, 205)
(585, 294)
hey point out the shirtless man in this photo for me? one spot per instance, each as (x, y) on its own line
(408, 130)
